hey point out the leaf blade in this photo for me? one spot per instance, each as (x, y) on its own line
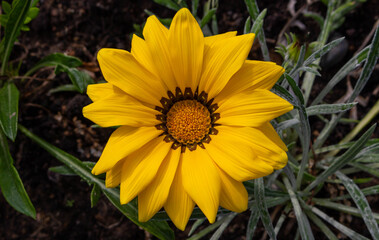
(10, 183)
(9, 97)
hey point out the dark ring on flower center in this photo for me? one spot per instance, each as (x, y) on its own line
(187, 119)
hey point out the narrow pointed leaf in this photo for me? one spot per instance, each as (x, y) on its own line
(159, 229)
(55, 59)
(302, 220)
(259, 193)
(9, 96)
(78, 78)
(169, 4)
(10, 183)
(330, 108)
(12, 30)
(252, 224)
(223, 226)
(195, 225)
(321, 52)
(95, 195)
(345, 230)
(207, 17)
(258, 22)
(319, 223)
(353, 63)
(362, 204)
(342, 160)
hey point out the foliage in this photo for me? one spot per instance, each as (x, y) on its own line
(14, 20)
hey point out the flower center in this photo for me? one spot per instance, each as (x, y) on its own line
(188, 121)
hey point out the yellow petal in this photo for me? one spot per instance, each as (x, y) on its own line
(141, 53)
(120, 109)
(234, 196)
(222, 61)
(141, 167)
(252, 108)
(179, 205)
(264, 141)
(121, 143)
(100, 90)
(201, 180)
(253, 75)
(113, 176)
(156, 40)
(121, 69)
(209, 41)
(268, 146)
(236, 157)
(152, 199)
(186, 41)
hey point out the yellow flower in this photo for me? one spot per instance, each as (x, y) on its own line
(194, 119)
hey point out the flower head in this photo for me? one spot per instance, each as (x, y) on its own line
(194, 119)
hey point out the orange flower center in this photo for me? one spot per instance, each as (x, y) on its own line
(188, 121)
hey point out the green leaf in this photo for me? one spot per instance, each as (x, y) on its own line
(330, 108)
(12, 30)
(282, 218)
(366, 191)
(368, 68)
(341, 74)
(287, 124)
(252, 223)
(310, 70)
(168, 4)
(227, 219)
(195, 225)
(6, 7)
(342, 160)
(302, 220)
(95, 195)
(317, 17)
(321, 52)
(9, 96)
(259, 193)
(282, 92)
(158, 229)
(295, 88)
(345, 230)
(258, 22)
(194, 6)
(33, 12)
(66, 171)
(78, 78)
(208, 16)
(64, 88)
(304, 128)
(341, 208)
(208, 229)
(253, 10)
(10, 183)
(324, 229)
(55, 59)
(247, 26)
(370, 170)
(362, 204)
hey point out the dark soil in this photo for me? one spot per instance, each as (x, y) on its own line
(81, 28)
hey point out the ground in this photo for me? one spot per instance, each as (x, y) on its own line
(81, 28)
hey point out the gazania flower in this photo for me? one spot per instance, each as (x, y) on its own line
(194, 119)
